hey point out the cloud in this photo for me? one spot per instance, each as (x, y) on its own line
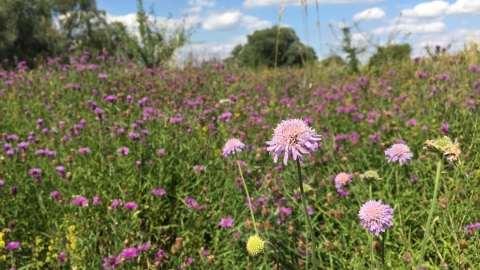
(434, 27)
(232, 19)
(130, 21)
(426, 10)
(456, 39)
(464, 7)
(197, 5)
(370, 14)
(277, 3)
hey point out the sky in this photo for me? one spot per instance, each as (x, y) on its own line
(221, 25)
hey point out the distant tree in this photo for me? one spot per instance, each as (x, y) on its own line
(333, 60)
(350, 50)
(390, 54)
(155, 44)
(261, 47)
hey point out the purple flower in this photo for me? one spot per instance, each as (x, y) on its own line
(111, 262)
(102, 76)
(400, 153)
(474, 68)
(12, 245)
(342, 179)
(375, 137)
(158, 192)
(98, 111)
(160, 152)
(130, 205)
(129, 253)
(84, 150)
(470, 228)
(414, 178)
(35, 172)
(375, 216)
(60, 171)
(14, 190)
(62, 256)
(193, 203)
(144, 247)
(55, 194)
(411, 122)
(232, 146)
(123, 151)
(293, 137)
(285, 211)
(1, 183)
(115, 204)
(226, 222)
(162, 255)
(81, 201)
(199, 168)
(96, 200)
(445, 127)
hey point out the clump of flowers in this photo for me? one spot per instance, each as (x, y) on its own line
(255, 245)
(399, 153)
(375, 216)
(232, 146)
(444, 146)
(293, 137)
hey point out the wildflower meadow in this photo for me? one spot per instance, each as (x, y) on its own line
(105, 164)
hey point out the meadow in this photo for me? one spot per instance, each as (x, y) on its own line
(109, 165)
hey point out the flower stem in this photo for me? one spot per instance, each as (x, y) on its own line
(248, 196)
(371, 252)
(309, 224)
(430, 215)
(384, 235)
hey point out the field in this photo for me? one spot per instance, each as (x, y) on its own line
(106, 164)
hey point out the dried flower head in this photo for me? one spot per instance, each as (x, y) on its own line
(444, 146)
(370, 175)
(255, 245)
(232, 146)
(293, 137)
(399, 152)
(375, 216)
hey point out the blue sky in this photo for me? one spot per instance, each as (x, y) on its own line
(221, 25)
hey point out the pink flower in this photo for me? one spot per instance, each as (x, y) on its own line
(130, 205)
(375, 216)
(399, 152)
(342, 179)
(226, 222)
(232, 146)
(293, 137)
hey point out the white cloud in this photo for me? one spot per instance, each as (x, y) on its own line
(464, 7)
(456, 39)
(426, 10)
(130, 21)
(264, 3)
(433, 27)
(370, 14)
(197, 5)
(224, 21)
(232, 19)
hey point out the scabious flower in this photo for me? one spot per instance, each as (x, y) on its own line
(232, 146)
(255, 245)
(159, 192)
(399, 152)
(375, 216)
(342, 179)
(293, 137)
(226, 222)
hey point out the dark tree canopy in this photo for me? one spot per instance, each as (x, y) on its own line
(261, 47)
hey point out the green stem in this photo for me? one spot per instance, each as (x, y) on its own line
(309, 224)
(430, 215)
(371, 251)
(248, 196)
(384, 235)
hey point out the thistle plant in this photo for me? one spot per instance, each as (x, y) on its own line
(292, 138)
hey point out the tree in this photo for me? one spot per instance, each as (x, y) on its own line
(261, 47)
(154, 44)
(333, 60)
(390, 54)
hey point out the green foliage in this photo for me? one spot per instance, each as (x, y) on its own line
(155, 44)
(350, 50)
(389, 55)
(333, 60)
(261, 47)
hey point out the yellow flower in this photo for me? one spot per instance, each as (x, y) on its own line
(255, 245)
